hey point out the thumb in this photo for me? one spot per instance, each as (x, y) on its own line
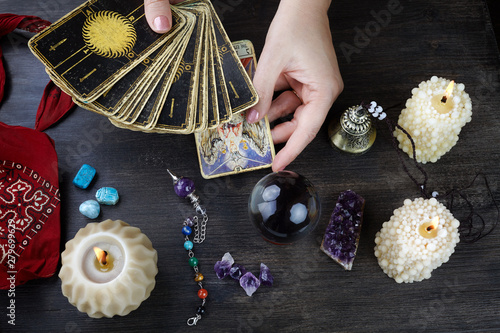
(266, 76)
(158, 15)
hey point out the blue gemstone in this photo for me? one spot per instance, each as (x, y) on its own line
(84, 176)
(107, 196)
(186, 230)
(90, 209)
(188, 245)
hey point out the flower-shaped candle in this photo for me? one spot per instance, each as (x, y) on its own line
(434, 117)
(419, 237)
(108, 269)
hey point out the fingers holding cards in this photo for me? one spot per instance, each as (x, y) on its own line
(108, 59)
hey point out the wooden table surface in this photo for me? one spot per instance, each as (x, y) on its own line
(311, 293)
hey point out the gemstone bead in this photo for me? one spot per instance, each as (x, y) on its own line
(193, 261)
(84, 176)
(202, 293)
(188, 245)
(183, 187)
(189, 222)
(107, 196)
(198, 277)
(90, 209)
(186, 230)
(200, 310)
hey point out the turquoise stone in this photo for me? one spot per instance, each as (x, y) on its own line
(107, 196)
(188, 245)
(90, 209)
(84, 176)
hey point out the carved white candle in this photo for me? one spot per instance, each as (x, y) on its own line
(115, 285)
(434, 119)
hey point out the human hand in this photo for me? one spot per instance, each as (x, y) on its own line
(159, 15)
(298, 54)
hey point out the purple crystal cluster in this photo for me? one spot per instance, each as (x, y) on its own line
(249, 282)
(342, 233)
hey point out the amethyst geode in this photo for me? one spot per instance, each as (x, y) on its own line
(342, 233)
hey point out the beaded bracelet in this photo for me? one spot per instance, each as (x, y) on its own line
(184, 188)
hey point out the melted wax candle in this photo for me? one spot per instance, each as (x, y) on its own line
(116, 283)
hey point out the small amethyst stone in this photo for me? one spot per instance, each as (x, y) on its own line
(184, 187)
(237, 271)
(223, 267)
(249, 283)
(265, 277)
(342, 233)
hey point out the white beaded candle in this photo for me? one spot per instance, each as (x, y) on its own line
(418, 238)
(120, 283)
(434, 123)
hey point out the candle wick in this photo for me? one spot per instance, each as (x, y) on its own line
(429, 228)
(104, 259)
(444, 99)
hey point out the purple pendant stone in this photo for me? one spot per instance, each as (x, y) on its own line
(184, 187)
(342, 233)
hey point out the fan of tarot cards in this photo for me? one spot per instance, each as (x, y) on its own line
(107, 58)
(191, 79)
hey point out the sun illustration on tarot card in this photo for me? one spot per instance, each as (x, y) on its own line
(109, 34)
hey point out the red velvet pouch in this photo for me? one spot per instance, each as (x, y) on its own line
(29, 206)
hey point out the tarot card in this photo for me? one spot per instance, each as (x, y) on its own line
(144, 108)
(118, 96)
(218, 91)
(236, 146)
(141, 106)
(242, 93)
(178, 106)
(78, 49)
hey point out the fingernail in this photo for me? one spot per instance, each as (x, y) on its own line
(161, 23)
(252, 116)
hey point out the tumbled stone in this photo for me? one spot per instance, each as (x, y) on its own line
(107, 196)
(90, 209)
(84, 176)
(342, 233)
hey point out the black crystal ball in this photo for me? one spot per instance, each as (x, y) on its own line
(284, 206)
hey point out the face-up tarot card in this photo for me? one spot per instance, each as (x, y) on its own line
(236, 146)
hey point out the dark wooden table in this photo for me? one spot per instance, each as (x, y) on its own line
(311, 293)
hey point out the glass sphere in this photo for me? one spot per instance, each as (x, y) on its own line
(284, 206)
